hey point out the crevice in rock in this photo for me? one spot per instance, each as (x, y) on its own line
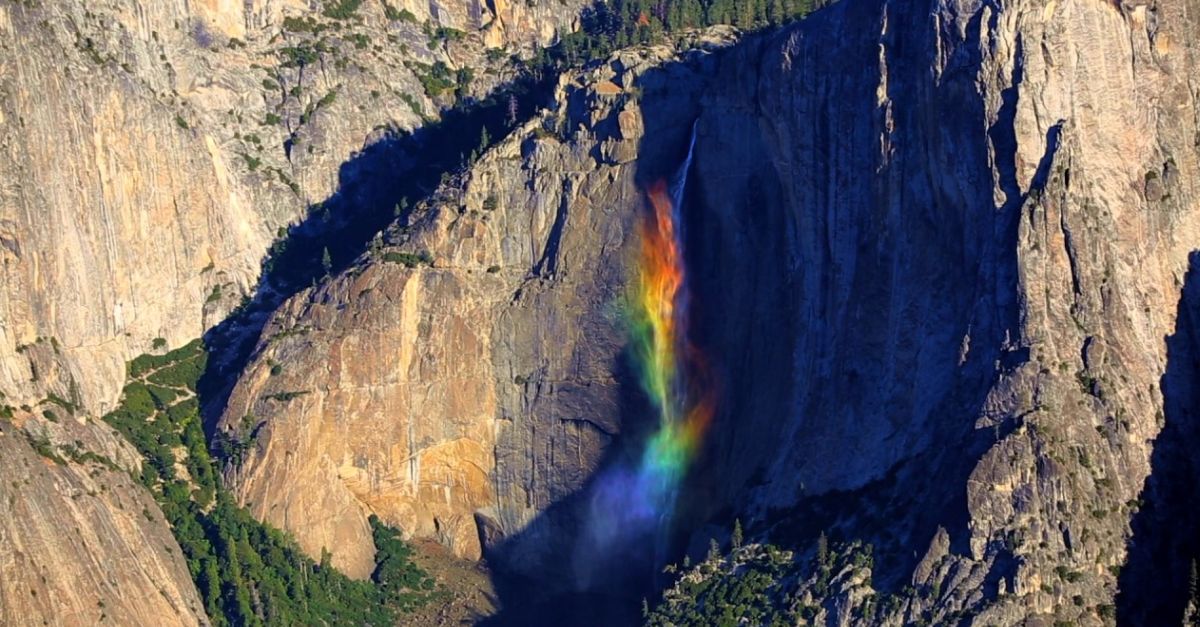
(547, 266)
(1072, 260)
(1003, 134)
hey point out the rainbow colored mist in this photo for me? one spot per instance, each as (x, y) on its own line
(637, 499)
(672, 371)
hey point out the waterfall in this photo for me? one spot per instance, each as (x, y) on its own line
(679, 181)
(636, 502)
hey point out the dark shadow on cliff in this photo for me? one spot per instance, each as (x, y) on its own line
(964, 261)
(745, 315)
(376, 187)
(571, 586)
(1153, 584)
(579, 581)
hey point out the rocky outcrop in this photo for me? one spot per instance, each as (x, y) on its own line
(84, 544)
(477, 382)
(938, 247)
(1004, 280)
(152, 150)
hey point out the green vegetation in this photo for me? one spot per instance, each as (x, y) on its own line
(79, 455)
(306, 24)
(247, 572)
(284, 397)
(413, 104)
(143, 365)
(252, 164)
(402, 15)
(44, 448)
(758, 584)
(445, 34)
(408, 259)
(435, 79)
(303, 53)
(341, 9)
(55, 399)
(619, 23)
(747, 586)
(326, 100)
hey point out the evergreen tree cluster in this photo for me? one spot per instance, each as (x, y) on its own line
(614, 24)
(762, 584)
(247, 572)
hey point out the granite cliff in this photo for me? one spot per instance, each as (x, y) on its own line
(151, 152)
(939, 249)
(82, 542)
(940, 256)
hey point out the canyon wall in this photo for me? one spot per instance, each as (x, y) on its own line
(477, 384)
(150, 152)
(992, 218)
(82, 542)
(938, 250)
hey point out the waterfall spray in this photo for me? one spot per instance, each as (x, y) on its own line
(635, 502)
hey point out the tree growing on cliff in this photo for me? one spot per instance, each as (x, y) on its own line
(247, 572)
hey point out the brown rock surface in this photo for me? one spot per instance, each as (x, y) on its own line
(943, 246)
(149, 153)
(81, 543)
(151, 150)
(409, 373)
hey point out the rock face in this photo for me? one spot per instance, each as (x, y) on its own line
(478, 384)
(83, 543)
(980, 335)
(938, 249)
(150, 151)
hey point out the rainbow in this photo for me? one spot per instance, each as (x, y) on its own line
(638, 498)
(672, 371)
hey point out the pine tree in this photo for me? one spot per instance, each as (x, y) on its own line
(212, 586)
(326, 260)
(745, 14)
(823, 551)
(777, 13)
(484, 140)
(513, 108)
(736, 539)
(693, 13)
